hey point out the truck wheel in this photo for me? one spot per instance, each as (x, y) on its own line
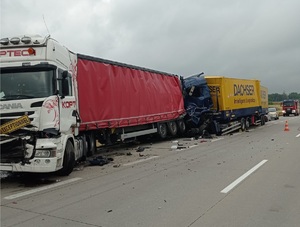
(84, 147)
(247, 123)
(243, 124)
(181, 127)
(172, 128)
(69, 160)
(91, 142)
(262, 120)
(162, 130)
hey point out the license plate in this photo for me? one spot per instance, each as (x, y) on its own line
(14, 125)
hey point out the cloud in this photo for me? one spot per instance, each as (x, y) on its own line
(253, 39)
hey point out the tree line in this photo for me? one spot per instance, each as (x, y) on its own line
(280, 97)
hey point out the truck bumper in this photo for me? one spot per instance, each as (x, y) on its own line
(36, 165)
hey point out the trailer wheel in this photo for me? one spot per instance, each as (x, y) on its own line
(68, 160)
(84, 147)
(91, 142)
(162, 130)
(247, 123)
(243, 124)
(181, 127)
(172, 128)
(262, 120)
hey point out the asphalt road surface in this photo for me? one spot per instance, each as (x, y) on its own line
(244, 179)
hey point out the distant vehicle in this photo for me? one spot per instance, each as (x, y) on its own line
(290, 107)
(272, 114)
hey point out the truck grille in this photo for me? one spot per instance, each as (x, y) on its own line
(12, 151)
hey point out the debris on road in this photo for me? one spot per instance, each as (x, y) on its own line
(100, 161)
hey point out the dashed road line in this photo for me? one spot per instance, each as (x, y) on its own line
(243, 177)
(41, 188)
(217, 139)
(139, 161)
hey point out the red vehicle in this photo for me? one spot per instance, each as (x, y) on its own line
(290, 106)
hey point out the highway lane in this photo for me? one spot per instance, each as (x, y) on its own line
(177, 187)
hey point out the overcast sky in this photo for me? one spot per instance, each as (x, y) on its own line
(255, 39)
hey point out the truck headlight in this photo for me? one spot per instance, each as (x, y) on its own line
(45, 153)
(283, 111)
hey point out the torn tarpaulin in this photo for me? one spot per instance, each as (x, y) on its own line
(100, 161)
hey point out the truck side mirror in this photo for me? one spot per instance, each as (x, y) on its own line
(65, 84)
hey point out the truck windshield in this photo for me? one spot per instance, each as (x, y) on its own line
(288, 103)
(36, 83)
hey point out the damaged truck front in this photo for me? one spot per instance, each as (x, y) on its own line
(221, 105)
(37, 106)
(198, 103)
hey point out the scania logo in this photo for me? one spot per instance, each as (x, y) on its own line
(11, 106)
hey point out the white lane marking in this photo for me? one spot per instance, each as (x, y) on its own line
(236, 134)
(139, 161)
(215, 140)
(41, 188)
(298, 135)
(193, 146)
(243, 177)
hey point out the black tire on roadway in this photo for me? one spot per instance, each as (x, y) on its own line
(162, 130)
(262, 120)
(172, 128)
(68, 160)
(247, 123)
(243, 124)
(91, 142)
(181, 127)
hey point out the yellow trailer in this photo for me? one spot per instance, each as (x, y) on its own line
(264, 100)
(236, 100)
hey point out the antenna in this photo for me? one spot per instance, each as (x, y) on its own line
(46, 25)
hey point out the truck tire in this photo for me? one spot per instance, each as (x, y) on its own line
(181, 127)
(162, 130)
(84, 147)
(247, 123)
(262, 120)
(172, 128)
(243, 124)
(91, 142)
(68, 160)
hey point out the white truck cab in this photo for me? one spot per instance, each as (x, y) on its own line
(39, 118)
